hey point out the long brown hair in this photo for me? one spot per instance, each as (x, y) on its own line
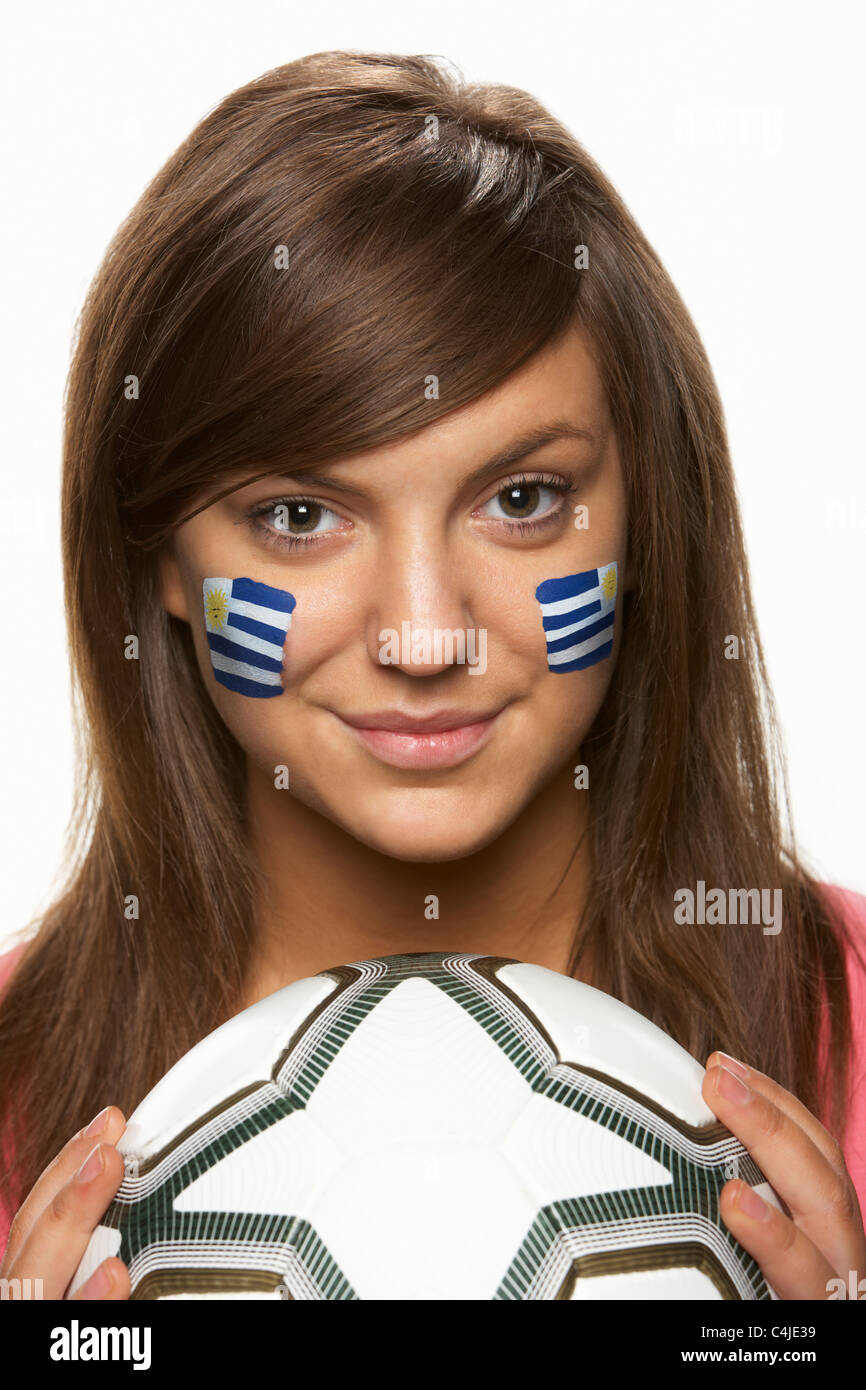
(426, 227)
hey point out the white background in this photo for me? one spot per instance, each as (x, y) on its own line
(734, 132)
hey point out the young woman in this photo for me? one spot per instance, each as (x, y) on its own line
(387, 355)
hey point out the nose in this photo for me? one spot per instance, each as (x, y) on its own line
(419, 618)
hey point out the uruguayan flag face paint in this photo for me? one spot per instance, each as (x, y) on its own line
(246, 626)
(577, 613)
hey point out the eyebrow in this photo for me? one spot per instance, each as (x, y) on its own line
(520, 448)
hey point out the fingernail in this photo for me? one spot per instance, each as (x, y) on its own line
(100, 1282)
(91, 1167)
(98, 1124)
(732, 1088)
(733, 1065)
(753, 1205)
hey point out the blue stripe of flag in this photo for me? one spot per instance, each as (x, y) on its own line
(581, 662)
(242, 686)
(256, 629)
(552, 590)
(218, 643)
(574, 639)
(250, 591)
(563, 619)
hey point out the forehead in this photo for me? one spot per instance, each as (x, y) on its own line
(559, 383)
(553, 407)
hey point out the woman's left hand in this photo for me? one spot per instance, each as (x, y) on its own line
(820, 1250)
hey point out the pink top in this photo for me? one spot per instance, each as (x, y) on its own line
(854, 909)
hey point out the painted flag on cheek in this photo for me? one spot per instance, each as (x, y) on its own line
(247, 623)
(577, 613)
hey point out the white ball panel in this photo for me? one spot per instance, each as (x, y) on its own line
(279, 1170)
(385, 1212)
(593, 1029)
(559, 1154)
(675, 1284)
(242, 1050)
(418, 1068)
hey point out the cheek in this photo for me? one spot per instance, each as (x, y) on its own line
(258, 642)
(242, 638)
(328, 625)
(577, 615)
(246, 626)
(262, 640)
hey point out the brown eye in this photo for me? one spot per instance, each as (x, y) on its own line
(519, 500)
(293, 521)
(526, 500)
(296, 517)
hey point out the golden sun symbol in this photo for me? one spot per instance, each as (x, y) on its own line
(608, 584)
(216, 607)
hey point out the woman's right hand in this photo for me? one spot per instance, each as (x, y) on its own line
(52, 1228)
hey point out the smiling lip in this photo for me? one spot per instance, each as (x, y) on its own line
(442, 739)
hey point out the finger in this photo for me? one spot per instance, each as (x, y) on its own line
(110, 1281)
(58, 1172)
(788, 1259)
(822, 1200)
(793, 1108)
(60, 1235)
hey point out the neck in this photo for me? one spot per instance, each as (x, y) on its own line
(326, 898)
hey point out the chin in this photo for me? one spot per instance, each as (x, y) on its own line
(426, 839)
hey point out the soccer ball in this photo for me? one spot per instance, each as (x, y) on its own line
(430, 1126)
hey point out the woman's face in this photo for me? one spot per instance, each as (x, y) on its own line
(430, 532)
